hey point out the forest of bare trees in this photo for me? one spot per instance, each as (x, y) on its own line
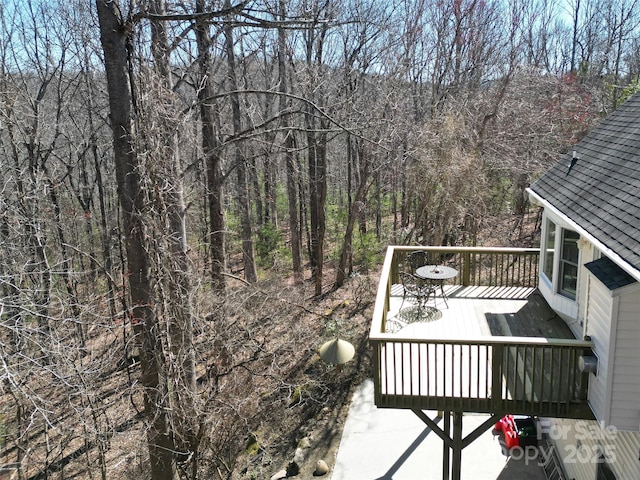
(181, 181)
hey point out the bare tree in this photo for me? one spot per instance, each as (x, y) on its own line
(248, 257)
(292, 172)
(165, 167)
(116, 38)
(211, 148)
(314, 43)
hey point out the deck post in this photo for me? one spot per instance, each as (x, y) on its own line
(456, 446)
(496, 376)
(446, 465)
(466, 269)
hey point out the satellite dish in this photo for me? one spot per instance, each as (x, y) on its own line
(337, 351)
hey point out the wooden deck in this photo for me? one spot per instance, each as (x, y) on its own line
(492, 350)
(474, 312)
(496, 348)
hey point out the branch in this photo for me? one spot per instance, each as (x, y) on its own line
(191, 16)
(300, 99)
(251, 20)
(261, 22)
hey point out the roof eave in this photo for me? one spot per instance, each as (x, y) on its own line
(630, 269)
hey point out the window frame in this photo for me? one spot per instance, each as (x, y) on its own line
(566, 264)
(549, 249)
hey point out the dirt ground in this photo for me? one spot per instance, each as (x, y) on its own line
(311, 431)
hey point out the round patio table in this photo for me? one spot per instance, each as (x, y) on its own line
(438, 274)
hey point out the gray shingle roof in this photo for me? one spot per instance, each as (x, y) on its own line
(609, 273)
(601, 192)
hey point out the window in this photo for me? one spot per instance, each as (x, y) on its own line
(604, 471)
(549, 248)
(569, 264)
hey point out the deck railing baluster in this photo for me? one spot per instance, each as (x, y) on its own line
(454, 372)
(477, 367)
(435, 372)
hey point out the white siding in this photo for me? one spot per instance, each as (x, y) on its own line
(612, 319)
(587, 254)
(568, 310)
(625, 395)
(562, 433)
(598, 327)
(578, 443)
(627, 449)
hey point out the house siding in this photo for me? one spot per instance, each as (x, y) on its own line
(598, 327)
(625, 395)
(626, 450)
(562, 434)
(587, 254)
(612, 321)
(578, 444)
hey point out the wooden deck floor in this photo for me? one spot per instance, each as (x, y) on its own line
(474, 312)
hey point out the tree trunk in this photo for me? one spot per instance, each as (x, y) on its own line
(211, 152)
(317, 153)
(574, 43)
(248, 258)
(114, 38)
(354, 214)
(178, 269)
(290, 160)
(65, 266)
(317, 184)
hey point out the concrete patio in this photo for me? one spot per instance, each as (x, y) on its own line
(394, 444)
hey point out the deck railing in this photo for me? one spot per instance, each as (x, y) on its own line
(501, 267)
(492, 374)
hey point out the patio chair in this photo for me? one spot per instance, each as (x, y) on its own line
(418, 259)
(414, 286)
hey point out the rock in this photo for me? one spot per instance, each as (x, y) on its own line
(298, 457)
(305, 443)
(321, 468)
(293, 469)
(279, 475)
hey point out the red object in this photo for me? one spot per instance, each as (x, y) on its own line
(507, 426)
(518, 430)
